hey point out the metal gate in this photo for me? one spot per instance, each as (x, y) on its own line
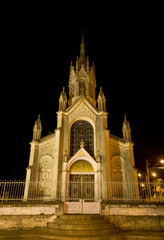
(81, 195)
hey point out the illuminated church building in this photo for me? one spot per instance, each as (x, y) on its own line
(81, 149)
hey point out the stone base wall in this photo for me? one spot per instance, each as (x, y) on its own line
(132, 217)
(25, 221)
(30, 209)
(132, 209)
(27, 215)
(139, 223)
(135, 217)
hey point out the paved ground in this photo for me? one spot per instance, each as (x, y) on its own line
(41, 234)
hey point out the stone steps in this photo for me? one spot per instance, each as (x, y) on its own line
(111, 237)
(85, 232)
(83, 227)
(81, 216)
(82, 221)
(45, 234)
(80, 226)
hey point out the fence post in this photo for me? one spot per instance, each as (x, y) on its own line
(4, 191)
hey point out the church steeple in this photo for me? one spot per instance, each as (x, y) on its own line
(82, 59)
(82, 79)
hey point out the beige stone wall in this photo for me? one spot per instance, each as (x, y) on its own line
(133, 210)
(25, 221)
(28, 210)
(139, 223)
(26, 215)
(136, 217)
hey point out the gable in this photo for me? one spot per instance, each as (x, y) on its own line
(81, 154)
(82, 109)
(82, 73)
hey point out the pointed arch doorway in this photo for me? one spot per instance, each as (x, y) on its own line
(81, 189)
(82, 181)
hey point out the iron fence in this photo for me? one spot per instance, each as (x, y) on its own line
(88, 191)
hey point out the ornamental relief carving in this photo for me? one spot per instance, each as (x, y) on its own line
(46, 150)
(45, 174)
(116, 163)
(46, 162)
(82, 110)
(117, 170)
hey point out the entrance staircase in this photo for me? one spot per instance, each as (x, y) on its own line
(78, 227)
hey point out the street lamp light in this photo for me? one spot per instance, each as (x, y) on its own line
(153, 174)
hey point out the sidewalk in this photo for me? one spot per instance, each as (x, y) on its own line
(38, 234)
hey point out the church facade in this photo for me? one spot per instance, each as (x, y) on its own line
(82, 159)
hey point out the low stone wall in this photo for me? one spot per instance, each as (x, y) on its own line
(29, 209)
(139, 223)
(33, 215)
(135, 217)
(132, 209)
(25, 221)
(28, 215)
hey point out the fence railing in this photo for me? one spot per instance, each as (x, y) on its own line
(88, 191)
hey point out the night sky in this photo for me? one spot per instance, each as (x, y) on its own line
(36, 50)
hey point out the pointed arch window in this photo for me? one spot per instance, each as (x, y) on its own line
(82, 132)
(82, 87)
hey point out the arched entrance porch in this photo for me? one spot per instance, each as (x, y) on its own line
(83, 188)
(81, 182)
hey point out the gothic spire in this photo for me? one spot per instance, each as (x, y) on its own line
(126, 130)
(101, 101)
(82, 79)
(37, 130)
(82, 59)
(63, 100)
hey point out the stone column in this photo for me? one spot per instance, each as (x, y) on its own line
(27, 184)
(63, 183)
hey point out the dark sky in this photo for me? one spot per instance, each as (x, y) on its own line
(36, 50)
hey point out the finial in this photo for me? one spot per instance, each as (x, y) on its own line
(126, 130)
(37, 129)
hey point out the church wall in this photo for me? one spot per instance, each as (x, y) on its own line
(44, 169)
(124, 152)
(46, 153)
(113, 160)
